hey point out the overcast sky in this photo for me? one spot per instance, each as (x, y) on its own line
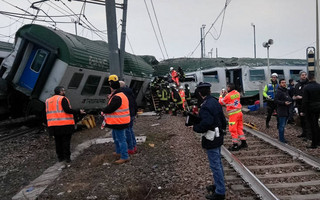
(290, 23)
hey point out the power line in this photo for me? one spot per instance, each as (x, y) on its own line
(164, 46)
(222, 11)
(154, 28)
(292, 52)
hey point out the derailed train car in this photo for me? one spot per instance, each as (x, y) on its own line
(45, 58)
(246, 73)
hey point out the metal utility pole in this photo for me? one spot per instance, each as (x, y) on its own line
(254, 40)
(202, 41)
(317, 70)
(123, 36)
(114, 61)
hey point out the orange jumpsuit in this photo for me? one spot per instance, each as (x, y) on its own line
(175, 77)
(183, 98)
(232, 102)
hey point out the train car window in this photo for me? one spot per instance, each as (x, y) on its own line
(39, 60)
(279, 72)
(105, 89)
(136, 86)
(75, 81)
(256, 75)
(294, 74)
(211, 77)
(91, 85)
(190, 78)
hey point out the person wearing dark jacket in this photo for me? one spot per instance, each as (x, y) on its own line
(131, 139)
(291, 109)
(311, 106)
(213, 125)
(60, 121)
(283, 101)
(198, 97)
(298, 98)
(117, 117)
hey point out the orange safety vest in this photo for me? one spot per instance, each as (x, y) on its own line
(122, 115)
(232, 102)
(55, 113)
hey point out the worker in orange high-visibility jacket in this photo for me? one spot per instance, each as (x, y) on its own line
(60, 121)
(232, 101)
(183, 97)
(117, 117)
(174, 76)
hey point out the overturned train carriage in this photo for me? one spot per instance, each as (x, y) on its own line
(246, 73)
(45, 58)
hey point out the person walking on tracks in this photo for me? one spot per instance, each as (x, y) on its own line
(118, 119)
(269, 93)
(213, 124)
(283, 102)
(311, 104)
(232, 101)
(60, 121)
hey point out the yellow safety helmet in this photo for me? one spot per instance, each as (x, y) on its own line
(113, 77)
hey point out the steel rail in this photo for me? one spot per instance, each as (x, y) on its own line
(255, 184)
(295, 153)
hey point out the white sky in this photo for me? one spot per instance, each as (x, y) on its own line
(290, 23)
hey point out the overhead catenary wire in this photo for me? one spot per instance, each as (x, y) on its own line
(212, 25)
(295, 51)
(154, 28)
(155, 15)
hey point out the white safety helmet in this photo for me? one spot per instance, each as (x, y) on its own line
(171, 68)
(274, 74)
(181, 87)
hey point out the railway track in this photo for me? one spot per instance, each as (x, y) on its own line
(272, 170)
(17, 127)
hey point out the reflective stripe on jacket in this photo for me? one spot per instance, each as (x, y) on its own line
(122, 115)
(55, 113)
(232, 102)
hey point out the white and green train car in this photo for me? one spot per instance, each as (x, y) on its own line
(246, 73)
(46, 58)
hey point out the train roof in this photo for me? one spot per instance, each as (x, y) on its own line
(6, 46)
(81, 52)
(195, 64)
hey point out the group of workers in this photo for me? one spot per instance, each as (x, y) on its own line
(171, 98)
(302, 98)
(118, 116)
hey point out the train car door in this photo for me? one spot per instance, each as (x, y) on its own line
(235, 76)
(33, 68)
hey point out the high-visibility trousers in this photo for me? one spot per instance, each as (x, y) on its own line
(236, 127)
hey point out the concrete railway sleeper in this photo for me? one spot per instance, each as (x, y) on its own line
(272, 170)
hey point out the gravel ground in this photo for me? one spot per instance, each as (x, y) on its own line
(169, 165)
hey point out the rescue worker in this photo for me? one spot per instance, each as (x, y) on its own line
(163, 95)
(182, 76)
(311, 106)
(188, 95)
(174, 76)
(232, 101)
(269, 93)
(183, 97)
(212, 121)
(177, 101)
(60, 121)
(118, 119)
(298, 97)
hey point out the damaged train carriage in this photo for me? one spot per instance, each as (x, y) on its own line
(246, 73)
(46, 57)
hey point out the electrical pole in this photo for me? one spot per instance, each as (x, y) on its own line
(202, 41)
(123, 36)
(114, 59)
(317, 70)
